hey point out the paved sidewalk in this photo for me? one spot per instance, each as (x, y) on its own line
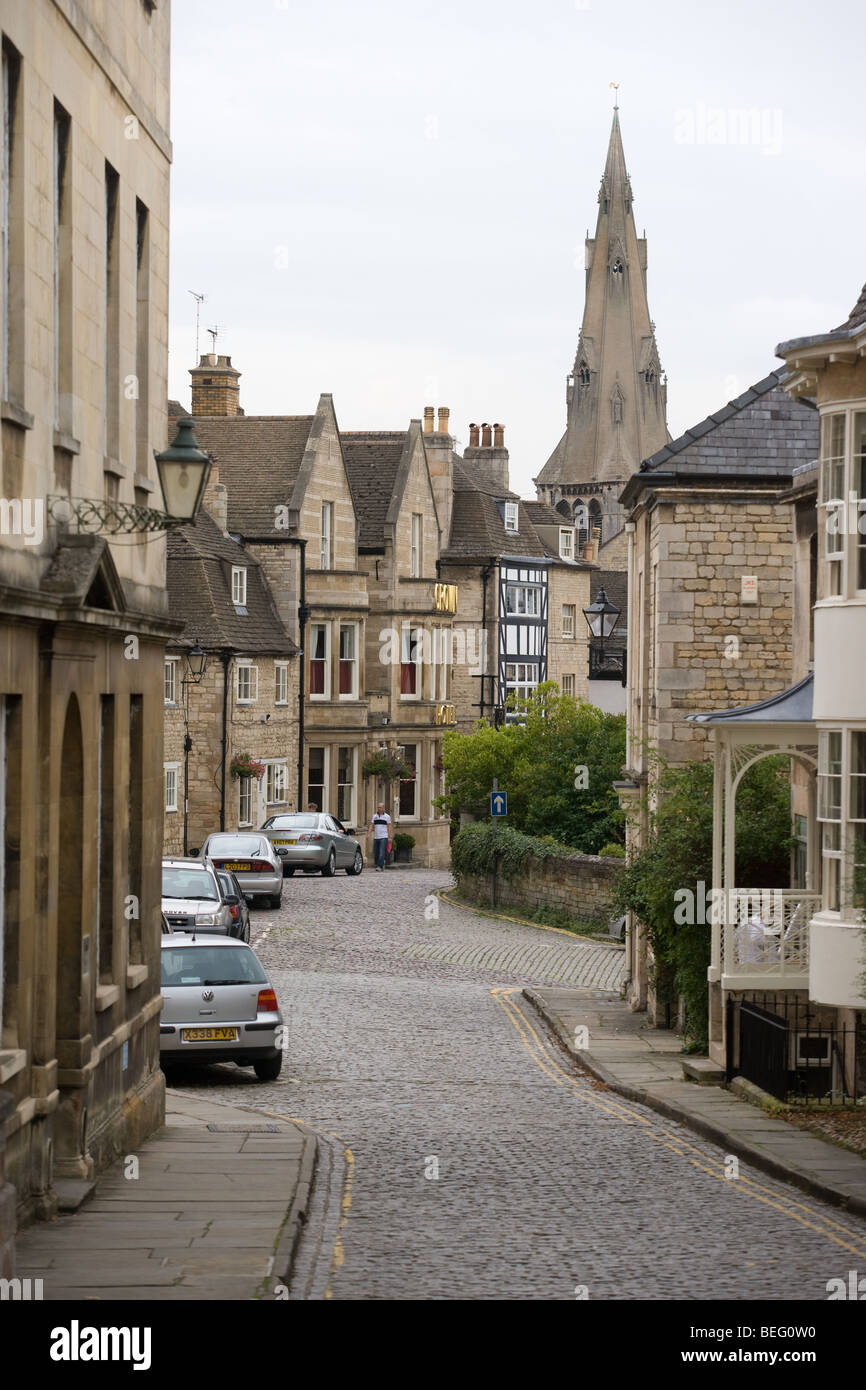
(644, 1064)
(215, 1213)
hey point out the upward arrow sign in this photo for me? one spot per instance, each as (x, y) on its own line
(498, 802)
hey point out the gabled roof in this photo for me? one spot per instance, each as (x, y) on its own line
(82, 572)
(372, 462)
(762, 433)
(199, 561)
(259, 458)
(477, 527)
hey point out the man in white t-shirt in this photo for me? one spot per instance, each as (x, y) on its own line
(380, 829)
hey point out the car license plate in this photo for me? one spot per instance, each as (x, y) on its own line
(237, 868)
(285, 842)
(208, 1034)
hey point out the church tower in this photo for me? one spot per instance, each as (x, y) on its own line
(616, 395)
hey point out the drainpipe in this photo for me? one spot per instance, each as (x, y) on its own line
(226, 658)
(303, 619)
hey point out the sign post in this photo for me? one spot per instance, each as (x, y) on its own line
(498, 809)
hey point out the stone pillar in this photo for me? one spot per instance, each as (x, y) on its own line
(7, 1197)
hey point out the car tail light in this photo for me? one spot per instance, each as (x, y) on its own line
(236, 912)
(267, 1002)
(260, 866)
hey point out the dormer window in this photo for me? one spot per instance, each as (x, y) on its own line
(239, 587)
(566, 543)
(510, 516)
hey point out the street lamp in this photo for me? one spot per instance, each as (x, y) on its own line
(601, 619)
(183, 470)
(196, 663)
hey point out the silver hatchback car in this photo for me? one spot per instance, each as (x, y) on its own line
(250, 856)
(218, 1006)
(193, 897)
(314, 842)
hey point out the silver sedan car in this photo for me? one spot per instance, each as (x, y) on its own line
(218, 1006)
(314, 842)
(250, 856)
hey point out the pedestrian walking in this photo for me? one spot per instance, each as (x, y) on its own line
(380, 829)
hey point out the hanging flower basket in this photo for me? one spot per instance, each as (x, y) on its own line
(243, 765)
(386, 767)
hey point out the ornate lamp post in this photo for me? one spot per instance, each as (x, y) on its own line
(601, 618)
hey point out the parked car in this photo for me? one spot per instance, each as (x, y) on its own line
(218, 1006)
(254, 861)
(315, 842)
(240, 908)
(193, 897)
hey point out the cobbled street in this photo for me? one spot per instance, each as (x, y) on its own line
(410, 1065)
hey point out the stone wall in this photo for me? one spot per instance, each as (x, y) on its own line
(582, 885)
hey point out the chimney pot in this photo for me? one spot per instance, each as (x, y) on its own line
(473, 436)
(428, 419)
(499, 436)
(444, 414)
(485, 436)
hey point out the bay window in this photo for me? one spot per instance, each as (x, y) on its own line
(843, 502)
(348, 661)
(842, 814)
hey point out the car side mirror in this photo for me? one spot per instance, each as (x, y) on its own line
(232, 900)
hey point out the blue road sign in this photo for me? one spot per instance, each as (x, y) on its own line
(498, 803)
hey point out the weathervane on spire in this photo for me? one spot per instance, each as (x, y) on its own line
(615, 86)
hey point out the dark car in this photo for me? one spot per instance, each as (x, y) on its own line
(240, 910)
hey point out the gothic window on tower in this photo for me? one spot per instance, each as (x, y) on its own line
(595, 513)
(616, 268)
(649, 376)
(583, 374)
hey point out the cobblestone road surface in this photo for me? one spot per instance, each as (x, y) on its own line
(547, 1183)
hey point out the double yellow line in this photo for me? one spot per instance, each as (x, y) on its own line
(654, 1129)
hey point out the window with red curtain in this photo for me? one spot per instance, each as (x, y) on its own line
(318, 658)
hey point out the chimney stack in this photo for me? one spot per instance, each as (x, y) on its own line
(486, 441)
(444, 415)
(499, 436)
(428, 419)
(215, 389)
(473, 436)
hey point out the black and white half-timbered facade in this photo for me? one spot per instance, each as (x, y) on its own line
(523, 610)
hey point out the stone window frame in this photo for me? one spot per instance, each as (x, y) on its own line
(569, 621)
(281, 680)
(326, 535)
(566, 542)
(324, 694)
(170, 681)
(355, 629)
(276, 781)
(352, 748)
(252, 683)
(415, 813)
(168, 781)
(568, 684)
(416, 546)
(411, 633)
(245, 802)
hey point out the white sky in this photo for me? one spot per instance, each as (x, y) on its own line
(388, 200)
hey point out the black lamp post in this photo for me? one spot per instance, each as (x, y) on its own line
(601, 618)
(196, 662)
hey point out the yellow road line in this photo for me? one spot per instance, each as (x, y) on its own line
(345, 1208)
(788, 1206)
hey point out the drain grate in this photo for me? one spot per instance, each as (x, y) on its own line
(244, 1129)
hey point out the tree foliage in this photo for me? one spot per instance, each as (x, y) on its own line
(679, 855)
(557, 766)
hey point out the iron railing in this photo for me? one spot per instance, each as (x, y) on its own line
(796, 1051)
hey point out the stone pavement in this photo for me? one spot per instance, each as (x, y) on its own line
(214, 1213)
(645, 1064)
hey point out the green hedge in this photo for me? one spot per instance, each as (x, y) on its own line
(475, 848)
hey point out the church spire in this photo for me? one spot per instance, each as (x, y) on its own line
(615, 396)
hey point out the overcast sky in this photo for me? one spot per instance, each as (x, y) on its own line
(388, 201)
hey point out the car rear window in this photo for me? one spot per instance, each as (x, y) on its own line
(189, 883)
(299, 822)
(200, 965)
(234, 846)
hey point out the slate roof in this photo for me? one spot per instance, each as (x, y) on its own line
(615, 585)
(372, 460)
(477, 528)
(259, 458)
(857, 316)
(763, 432)
(199, 564)
(176, 411)
(541, 514)
(791, 706)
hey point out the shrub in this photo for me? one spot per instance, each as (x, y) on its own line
(477, 848)
(613, 851)
(403, 841)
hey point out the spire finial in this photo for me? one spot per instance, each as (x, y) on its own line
(615, 86)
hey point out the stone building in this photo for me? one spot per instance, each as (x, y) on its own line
(811, 952)
(711, 588)
(242, 705)
(83, 316)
